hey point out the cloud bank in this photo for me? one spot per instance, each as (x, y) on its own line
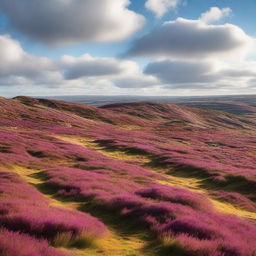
(191, 39)
(65, 22)
(17, 67)
(182, 55)
(87, 66)
(180, 72)
(202, 74)
(193, 54)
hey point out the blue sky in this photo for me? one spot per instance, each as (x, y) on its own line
(104, 51)
(243, 15)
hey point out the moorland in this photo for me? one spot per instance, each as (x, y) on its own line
(127, 179)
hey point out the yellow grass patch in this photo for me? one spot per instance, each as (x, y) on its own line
(26, 174)
(189, 183)
(116, 154)
(231, 209)
(193, 184)
(115, 245)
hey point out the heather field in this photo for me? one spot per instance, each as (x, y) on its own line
(127, 179)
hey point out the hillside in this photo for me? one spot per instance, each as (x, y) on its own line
(127, 179)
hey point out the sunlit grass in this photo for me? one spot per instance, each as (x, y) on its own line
(115, 245)
(27, 174)
(116, 154)
(231, 209)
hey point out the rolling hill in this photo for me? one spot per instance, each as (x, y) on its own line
(125, 179)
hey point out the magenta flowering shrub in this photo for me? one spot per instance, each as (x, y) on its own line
(215, 147)
(12, 188)
(87, 184)
(24, 209)
(212, 141)
(222, 234)
(176, 195)
(14, 243)
(49, 223)
(170, 212)
(207, 235)
(210, 153)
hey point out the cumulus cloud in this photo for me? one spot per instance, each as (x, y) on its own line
(17, 65)
(192, 39)
(176, 72)
(202, 74)
(121, 73)
(18, 68)
(197, 55)
(215, 14)
(161, 7)
(63, 22)
(111, 75)
(88, 66)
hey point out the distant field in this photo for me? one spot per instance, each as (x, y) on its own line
(239, 104)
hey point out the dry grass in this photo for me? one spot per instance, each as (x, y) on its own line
(115, 245)
(120, 155)
(231, 209)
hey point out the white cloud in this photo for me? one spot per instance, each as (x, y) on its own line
(18, 68)
(194, 55)
(17, 65)
(63, 22)
(120, 73)
(203, 74)
(161, 7)
(192, 39)
(88, 66)
(215, 14)
(181, 72)
(94, 75)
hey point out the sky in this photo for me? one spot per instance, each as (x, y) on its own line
(122, 47)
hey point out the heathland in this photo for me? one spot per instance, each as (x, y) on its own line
(128, 179)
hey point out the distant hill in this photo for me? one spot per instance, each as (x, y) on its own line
(235, 104)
